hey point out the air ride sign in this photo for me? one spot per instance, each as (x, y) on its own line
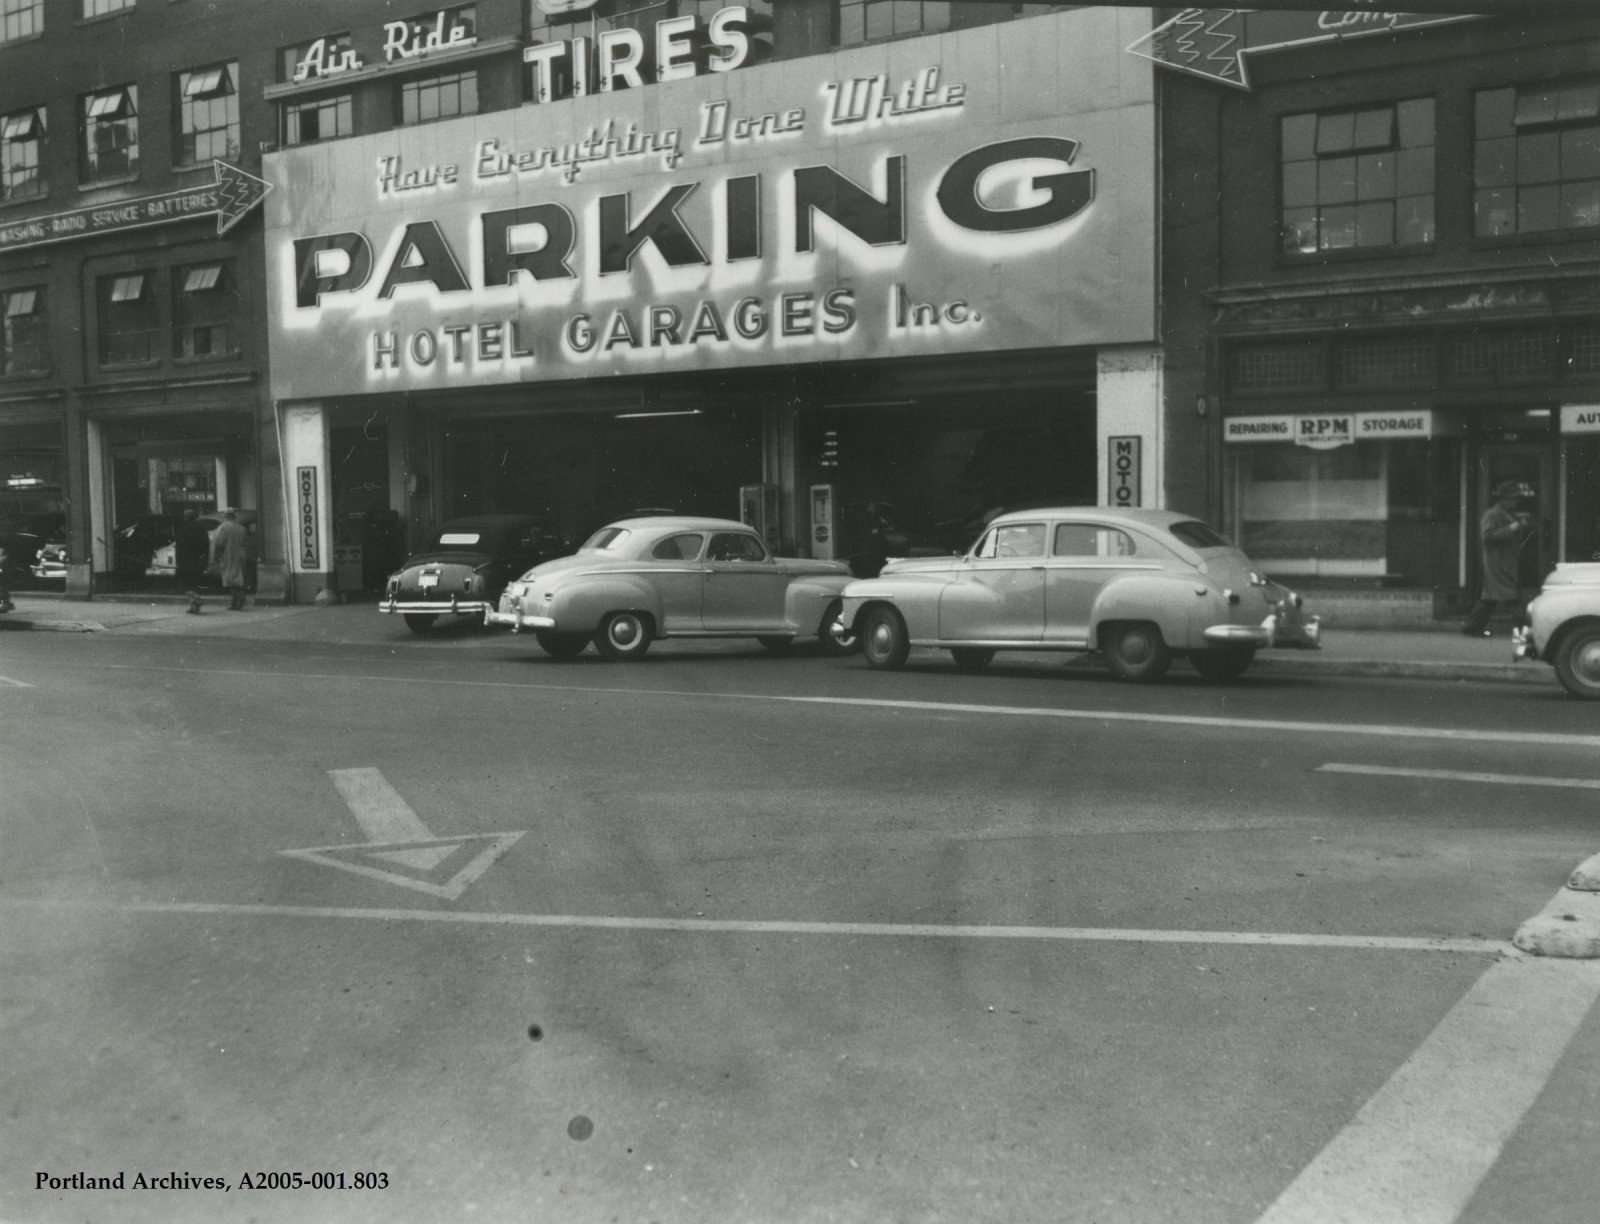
(981, 190)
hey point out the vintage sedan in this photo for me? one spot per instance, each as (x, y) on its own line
(465, 564)
(1137, 586)
(640, 579)
(1564, 628)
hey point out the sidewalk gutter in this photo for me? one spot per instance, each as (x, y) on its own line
(1509, 672)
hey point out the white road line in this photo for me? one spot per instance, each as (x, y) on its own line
(1543, 739)
(713, 926)
(14, 683)
(1456, 775)
(378, 808)
(1417, 1150)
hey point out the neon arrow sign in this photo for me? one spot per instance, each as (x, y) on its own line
(233, 194)
(1213, 43)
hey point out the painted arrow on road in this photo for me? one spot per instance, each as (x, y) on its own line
(230, 198)
(396, 835)
(1213, 43)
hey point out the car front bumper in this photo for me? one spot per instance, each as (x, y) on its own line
(1278, 630)
(1523, 645)
(517, 620)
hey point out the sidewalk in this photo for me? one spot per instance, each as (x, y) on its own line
(1439, 653)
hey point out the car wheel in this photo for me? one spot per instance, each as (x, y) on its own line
(826, 642)
(623, 636)
(1578, 662)
(776, 644)
(1221, 665)
(971, 658)
(420, 622)
(1135, 651)
(560, 645)
(884, 641)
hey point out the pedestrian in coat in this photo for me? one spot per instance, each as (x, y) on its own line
(229, 544)
(1502, 532)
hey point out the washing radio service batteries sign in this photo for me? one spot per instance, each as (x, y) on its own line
(958, 193)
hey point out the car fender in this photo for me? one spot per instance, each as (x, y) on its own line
(914, 596)
(577, 606)
(807, 598)
(1180, 605)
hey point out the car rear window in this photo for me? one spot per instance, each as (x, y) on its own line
(459, 537)
(607, 538)
(1197, 535)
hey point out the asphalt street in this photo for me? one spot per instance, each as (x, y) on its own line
(723, 936)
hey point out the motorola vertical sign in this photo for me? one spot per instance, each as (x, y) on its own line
(880, 202)
(1125, 475)
(306, 501)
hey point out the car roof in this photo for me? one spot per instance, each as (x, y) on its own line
(678, 522)
(485, 521)
(1161, 519)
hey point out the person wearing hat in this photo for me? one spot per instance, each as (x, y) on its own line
(1502, 532)
(229, 544)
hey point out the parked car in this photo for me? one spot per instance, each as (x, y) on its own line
(50, 562)
(1564, 628)
(1138, 586)
(465, 564)
(22, 537)
(640, 579)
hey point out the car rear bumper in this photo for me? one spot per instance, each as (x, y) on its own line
(517, 621)
(434, 607)
(1278, 630)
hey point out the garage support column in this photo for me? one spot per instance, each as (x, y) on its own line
(303, 428)
(778, 468)
(1128, 402)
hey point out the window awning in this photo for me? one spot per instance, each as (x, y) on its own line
(110, 105)
(22, 302)
(19, 126)
(207, 82)
(128, 288)
(204, 277)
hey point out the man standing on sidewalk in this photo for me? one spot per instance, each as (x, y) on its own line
(1503, 530)
(229, 543)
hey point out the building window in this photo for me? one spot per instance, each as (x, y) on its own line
(1502, 356)
(325, 56)
(319, 119)
(1536, 159)
(127, 319)
(1385, 361)
(205, 311)
(99, 8)
(110, 135)
(1357, 179)
(208, 114)
(866, 20)
(21, 143)
(438, 97)
(1278, 366)
(24, 331)
(20, 19)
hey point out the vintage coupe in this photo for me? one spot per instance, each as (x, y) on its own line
(1564, 628)
(639, 579)
(464, 566)
(1137, 586)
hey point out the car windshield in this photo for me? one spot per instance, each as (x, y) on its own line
(1197, 535)
(607, 539)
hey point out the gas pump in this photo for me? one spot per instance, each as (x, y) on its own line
(758, 508)
(824, 528)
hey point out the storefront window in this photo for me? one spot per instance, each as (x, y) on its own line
(1358, 178)
(1536, 160)
(21, 151)
(208, 114)
(24, 331)
(1307, 512)
(127, 321)
(110, 135)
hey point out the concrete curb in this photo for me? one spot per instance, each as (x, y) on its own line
(1586, 877)
(54, 626)
(1504, 673)
(1569, 927)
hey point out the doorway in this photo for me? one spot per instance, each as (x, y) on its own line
(1529, 463)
